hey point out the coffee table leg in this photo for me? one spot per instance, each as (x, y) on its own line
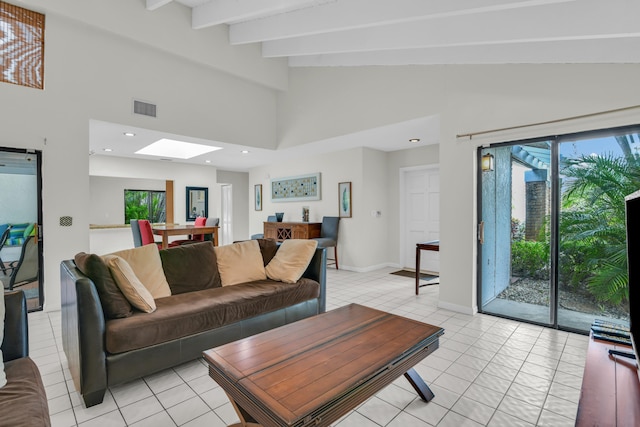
(419, 385)
(246, 420)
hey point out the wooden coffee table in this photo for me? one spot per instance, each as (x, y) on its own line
(314, 371)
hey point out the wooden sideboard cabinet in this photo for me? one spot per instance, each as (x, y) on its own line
(610, 388)
(291, 230)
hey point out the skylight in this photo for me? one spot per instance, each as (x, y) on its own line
(176, 149)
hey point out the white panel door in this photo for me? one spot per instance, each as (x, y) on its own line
(422, 216)
(226, 226)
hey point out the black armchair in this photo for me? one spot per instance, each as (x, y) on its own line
(23, 401)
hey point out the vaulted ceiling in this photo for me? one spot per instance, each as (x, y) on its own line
(402, 32)
(396, 32)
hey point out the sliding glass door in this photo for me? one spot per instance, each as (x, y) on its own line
(21, 220)
(552, 239)
(515, 262)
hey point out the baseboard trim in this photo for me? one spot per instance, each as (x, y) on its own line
(368, 268)
(458, 308)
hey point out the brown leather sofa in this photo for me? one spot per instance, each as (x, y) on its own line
(23, 401)
(104, 352)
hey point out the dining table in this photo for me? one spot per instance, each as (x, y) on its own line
(180, 230)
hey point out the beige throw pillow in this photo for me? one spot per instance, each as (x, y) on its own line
(291, 260)
(146, 264)
(130, 285)
(240, 262)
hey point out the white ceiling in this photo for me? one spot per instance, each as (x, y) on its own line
(104, 135)
(401, 32)
(398, 32)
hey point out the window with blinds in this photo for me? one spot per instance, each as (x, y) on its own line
(21, 46)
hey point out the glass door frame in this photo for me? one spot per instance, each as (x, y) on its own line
(39, 233)
(555, 205)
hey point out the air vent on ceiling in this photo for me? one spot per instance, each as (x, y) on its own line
(144, 108)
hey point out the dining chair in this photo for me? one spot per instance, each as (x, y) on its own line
(26, 269)
(3, 240)
(193, 238)
(135, 230)
(270, 218)
(329, 235)
(211, 222)
(146, 233)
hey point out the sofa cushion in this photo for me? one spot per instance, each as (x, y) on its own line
(114, 303)
(240, 262)
(291, 260)
(16, 234)
(147, 266)
(190, 267)
(24, 402)
(132, 288)
(29, 231)
(268, 248)
(190, 313)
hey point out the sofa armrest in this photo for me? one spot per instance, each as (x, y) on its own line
(317, 271)
(16, 327)
(83, 333)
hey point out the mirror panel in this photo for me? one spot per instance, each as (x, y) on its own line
(197, 202)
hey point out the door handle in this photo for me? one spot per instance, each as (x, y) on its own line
(481, 232)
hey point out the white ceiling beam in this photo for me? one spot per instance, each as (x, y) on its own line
(216, 12)
(357, 14)
(155, 4)
(599, 20)
(602, 51)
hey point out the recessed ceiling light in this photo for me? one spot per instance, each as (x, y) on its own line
(414, 140)
(207, 161)
(245, 151)
(129, 134)
(108, 150)
(176, 149)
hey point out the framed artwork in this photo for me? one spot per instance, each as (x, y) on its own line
(344, 199)
(296, 188)
(197, 202)
(258, 197)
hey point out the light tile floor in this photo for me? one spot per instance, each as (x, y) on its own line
(488, 371)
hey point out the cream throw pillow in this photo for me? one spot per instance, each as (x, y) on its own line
(240, 262)
(291, 260)
(132, 288)
(3, 376)
(146, 264)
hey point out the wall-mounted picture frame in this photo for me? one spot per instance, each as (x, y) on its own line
(258, 197)
(197, 202)
(344, 199)
(296, 188)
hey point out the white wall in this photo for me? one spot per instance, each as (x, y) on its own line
(365, 242)
(107, 196)
(326, 102)
(183, 176)
(92, 74)
(169, 29)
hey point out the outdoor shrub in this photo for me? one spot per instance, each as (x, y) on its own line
(530, 259)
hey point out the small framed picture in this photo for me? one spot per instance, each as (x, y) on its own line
(258, 197)
(344, 199)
